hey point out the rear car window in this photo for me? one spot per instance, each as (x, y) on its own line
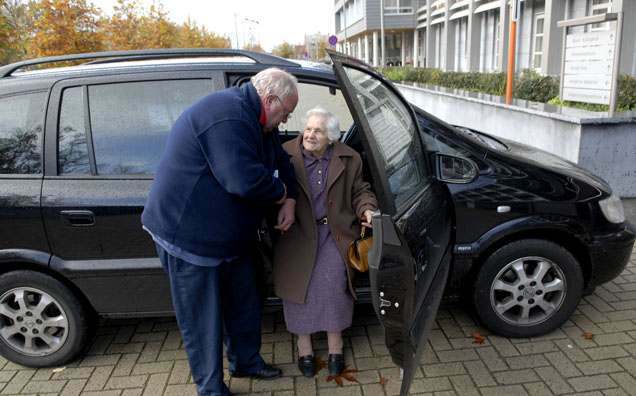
(21, 127)
(72, 145)
(130, 121)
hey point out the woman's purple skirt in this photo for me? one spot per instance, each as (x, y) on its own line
(329, 305)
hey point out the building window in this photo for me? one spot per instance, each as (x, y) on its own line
(395, 7)
(598, 7)
(537, 52)
(350, 13)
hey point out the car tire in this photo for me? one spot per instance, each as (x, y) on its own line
(42, 322)
(527, 288)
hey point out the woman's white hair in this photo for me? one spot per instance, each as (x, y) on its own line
(276, 82)
(331, 122)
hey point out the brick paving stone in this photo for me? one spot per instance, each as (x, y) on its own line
(532, 348)
(563, 365)
(73, 373)
(126, 348)
(527, 361)
(615, 392)
(98, 378)
(613, 339)
(369, 390)
(115, 392)
(590, 383)
(134, 392)
(150, 337)
(613, 327)
(503, 346)
(439, 341)
(554, 381)
(100, 360)
(150, 352)
(420, 385)
(443, 369)
(626, 381)
(131, 381)
(479, 373)
(599, 367)
(538, 389)
(173, 341)
(492, 359)
(125, 364)
(573, 352)
(464, 385)
(516, 390)
(606, 352)
(450, 328)
(152, 368)
(73, 387)
(44, 386)
(458, 355)
(273, 385)
(306, 386)
(512, 377)
(181, 390)
(629, 363)
(5, 376)
(19, 380)
(361, 347)
(156, 384)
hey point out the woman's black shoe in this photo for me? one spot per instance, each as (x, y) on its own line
(307, 366)
(336, 363)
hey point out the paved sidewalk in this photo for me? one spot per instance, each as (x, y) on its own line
(145, 357)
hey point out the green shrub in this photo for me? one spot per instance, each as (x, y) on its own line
(529, 85)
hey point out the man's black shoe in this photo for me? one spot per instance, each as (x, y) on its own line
(336, 363)
(307, 366)
(268, 372)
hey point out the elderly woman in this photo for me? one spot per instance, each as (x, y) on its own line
(310, 271)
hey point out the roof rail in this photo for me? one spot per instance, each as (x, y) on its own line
(120, 56)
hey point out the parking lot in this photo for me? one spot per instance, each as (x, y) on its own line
(592, 354)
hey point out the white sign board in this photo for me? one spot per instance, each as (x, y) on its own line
(589, 67)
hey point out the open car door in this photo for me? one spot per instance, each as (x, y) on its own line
(410, 258)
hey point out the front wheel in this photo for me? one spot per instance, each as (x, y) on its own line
(527, 288)
(42, 323)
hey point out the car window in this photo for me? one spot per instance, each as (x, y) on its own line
(312, 95)
(394, 133)
(441, 144)
(72, 155)
(130, 121)
(21, 126)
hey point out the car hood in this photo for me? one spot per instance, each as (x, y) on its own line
(554, 163)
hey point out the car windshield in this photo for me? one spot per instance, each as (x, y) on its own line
(484, 139)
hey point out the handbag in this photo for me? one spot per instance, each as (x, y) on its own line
(358, 252)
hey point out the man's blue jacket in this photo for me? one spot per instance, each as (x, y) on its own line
(217, 176)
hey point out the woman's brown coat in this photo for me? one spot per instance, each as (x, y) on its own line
(348, 196)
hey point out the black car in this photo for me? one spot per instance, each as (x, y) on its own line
(519, 232)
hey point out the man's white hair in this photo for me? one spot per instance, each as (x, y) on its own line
(331, 122)
(276, 82)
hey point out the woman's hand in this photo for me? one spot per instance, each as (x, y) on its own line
(286, 216)
(367, 216)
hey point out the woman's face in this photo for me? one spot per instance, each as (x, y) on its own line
(315, 138)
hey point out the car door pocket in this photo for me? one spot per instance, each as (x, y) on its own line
(78, 218)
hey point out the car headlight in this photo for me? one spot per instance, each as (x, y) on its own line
(612, 209)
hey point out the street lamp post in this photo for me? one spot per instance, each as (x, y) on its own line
(382, 62)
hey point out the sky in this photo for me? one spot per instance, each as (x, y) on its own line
(269, 22)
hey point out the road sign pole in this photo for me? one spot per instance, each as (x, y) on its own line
(512, 45)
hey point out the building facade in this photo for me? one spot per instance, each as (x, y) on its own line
(471, 35)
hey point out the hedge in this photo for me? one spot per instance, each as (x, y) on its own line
(529, 85)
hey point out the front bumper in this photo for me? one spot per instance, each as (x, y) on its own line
(609, 254)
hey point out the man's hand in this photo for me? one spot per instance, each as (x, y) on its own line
(367, 216)
(282, 200)
(286, 215)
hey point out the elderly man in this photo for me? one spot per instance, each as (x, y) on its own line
(222, 168)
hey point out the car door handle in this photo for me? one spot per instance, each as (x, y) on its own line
(78, 218)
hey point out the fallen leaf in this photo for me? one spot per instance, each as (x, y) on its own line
(588, 336)
(347, 374)
(59, 369)
(478, 338)
(383, 380)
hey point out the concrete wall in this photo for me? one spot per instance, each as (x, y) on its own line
(606, 146)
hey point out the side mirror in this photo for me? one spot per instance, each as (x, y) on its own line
(456, 170)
